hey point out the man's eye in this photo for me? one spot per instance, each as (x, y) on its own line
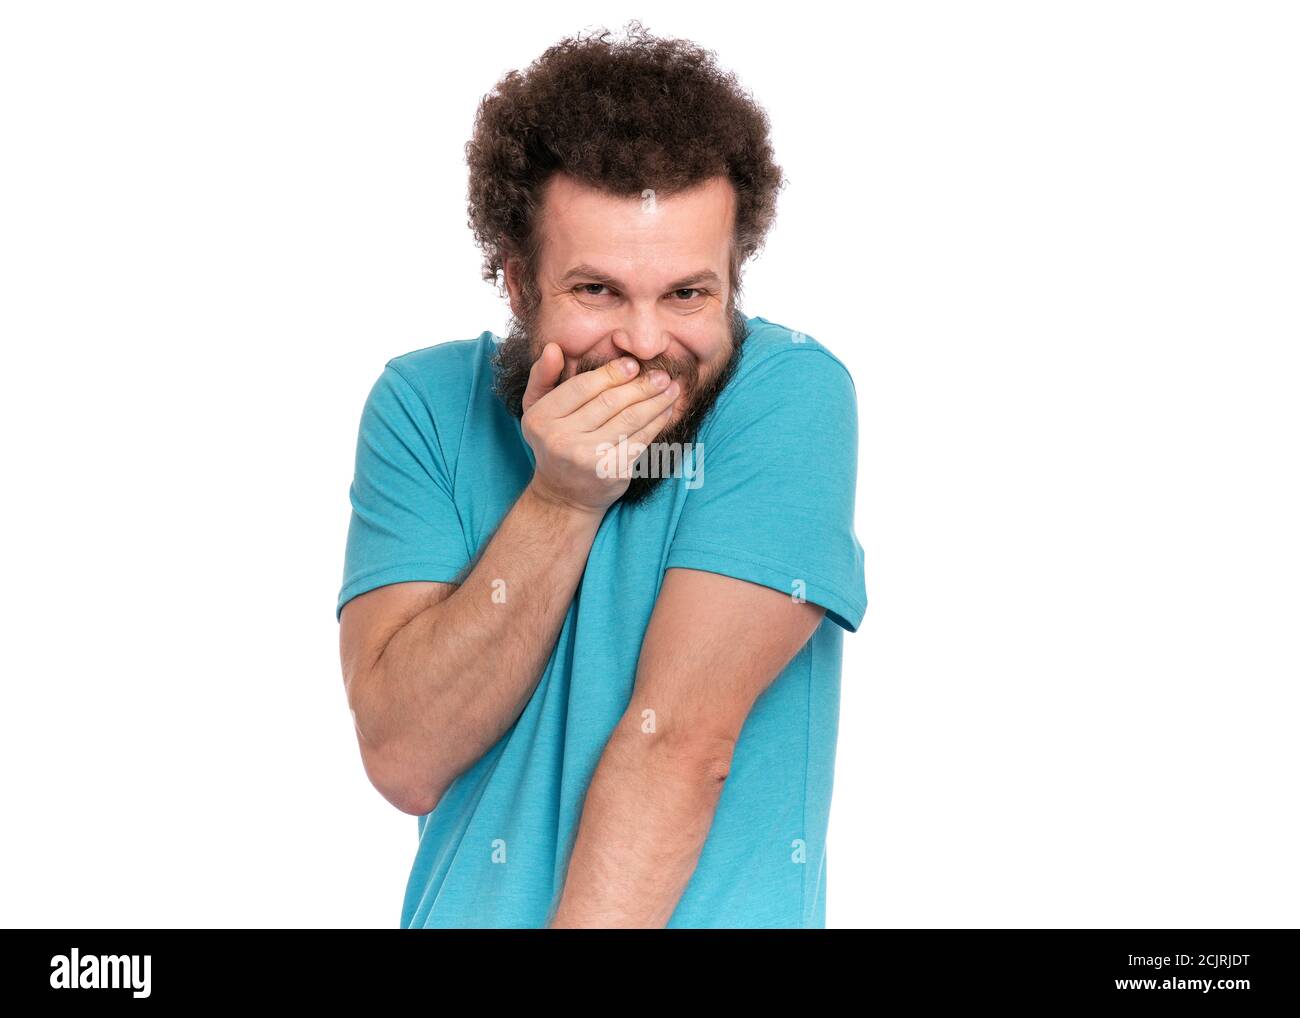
(593, 290)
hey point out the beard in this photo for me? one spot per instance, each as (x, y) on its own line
(513, 362)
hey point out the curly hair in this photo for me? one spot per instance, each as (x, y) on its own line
(625, 116)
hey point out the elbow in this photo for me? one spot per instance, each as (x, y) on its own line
(416, 804)
(397, 774)
(390, 763)
(705, 760)
(406, 788)
(712, 763)
(409, 796)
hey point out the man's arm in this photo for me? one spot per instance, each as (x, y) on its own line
(436, 673)
(714, 643)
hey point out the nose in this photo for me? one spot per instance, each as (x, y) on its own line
(643, 340)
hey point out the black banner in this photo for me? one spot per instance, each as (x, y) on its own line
(1220, 969)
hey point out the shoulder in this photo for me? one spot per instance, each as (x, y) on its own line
(427, 392)
(786, 375)
(444, 370)
(770, 346)
(438, 378)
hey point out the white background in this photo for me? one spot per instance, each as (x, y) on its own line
(1055, 243)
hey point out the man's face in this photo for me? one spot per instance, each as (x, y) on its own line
(646, 277)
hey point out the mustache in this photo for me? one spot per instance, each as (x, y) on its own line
(515, 354)
(685, 372)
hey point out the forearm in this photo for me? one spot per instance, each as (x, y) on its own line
(454, 678)
(647, 814)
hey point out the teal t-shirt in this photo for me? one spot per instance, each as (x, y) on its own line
(769, 499)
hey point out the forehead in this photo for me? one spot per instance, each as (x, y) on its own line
(636, 235)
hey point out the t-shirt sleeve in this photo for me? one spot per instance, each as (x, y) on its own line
(404, 523)
(772, 496)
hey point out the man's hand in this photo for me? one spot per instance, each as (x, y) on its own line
(571, 425)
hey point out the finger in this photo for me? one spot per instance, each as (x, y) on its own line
(640, 440)
(545, 374)
(582, 387)
(608, 402)
(638, 416)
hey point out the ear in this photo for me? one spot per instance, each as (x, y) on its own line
(511, 273)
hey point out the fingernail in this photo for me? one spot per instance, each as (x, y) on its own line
(629, 366)
(674, 389)
(659, 377)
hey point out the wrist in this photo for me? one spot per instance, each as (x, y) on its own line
(559, 505)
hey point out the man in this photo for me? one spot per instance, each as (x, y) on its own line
(598, 573)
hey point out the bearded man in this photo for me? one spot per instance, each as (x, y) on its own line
(609, 693)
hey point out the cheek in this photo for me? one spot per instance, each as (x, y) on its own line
(709, 349)
(576, 335)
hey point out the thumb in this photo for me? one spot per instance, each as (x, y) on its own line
(545, 374)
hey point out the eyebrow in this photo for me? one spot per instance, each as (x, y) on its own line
(593, 274)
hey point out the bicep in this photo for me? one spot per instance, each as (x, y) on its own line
(714, 643)
(370, 620)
